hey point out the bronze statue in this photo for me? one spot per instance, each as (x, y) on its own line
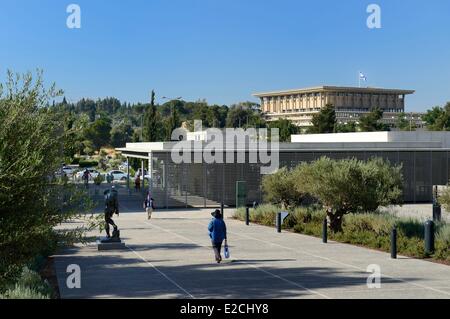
(111, 208)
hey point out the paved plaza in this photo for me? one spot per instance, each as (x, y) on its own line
(170, 257)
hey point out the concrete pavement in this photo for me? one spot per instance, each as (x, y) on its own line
(170, 257)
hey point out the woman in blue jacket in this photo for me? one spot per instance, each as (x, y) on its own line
(218, 233)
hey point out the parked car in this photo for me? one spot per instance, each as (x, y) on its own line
(69, 171)
(147, 176)
(123, 166)
(94, 173)
(118, 175)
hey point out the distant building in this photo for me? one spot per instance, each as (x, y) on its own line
(350, 103)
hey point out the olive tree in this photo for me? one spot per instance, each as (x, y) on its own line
(350, 186)
(280, 188)
(32, 201)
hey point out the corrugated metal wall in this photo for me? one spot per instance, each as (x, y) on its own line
(207, 185)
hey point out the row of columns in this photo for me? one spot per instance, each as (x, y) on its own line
(292, 102)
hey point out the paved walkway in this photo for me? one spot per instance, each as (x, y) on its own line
(170, 257)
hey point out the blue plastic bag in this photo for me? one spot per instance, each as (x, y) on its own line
(226, 251)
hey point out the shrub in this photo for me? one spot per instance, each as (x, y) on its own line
(263, 214)
(28, 286)
(443, 242)
(32, 141)
(88, 163)
(99, 179)
(370, 230)
(444, 198)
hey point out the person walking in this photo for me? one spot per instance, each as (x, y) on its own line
(218, 233)
(149, 205)
(86, 176)
(137, 183)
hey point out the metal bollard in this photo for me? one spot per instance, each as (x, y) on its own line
(394, 243)
(325, 231)
(429, 237)
(247, 216)
(437, 212)
(278, 222)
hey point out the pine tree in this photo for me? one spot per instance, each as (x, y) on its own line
(151, 126)
(173, 122)
(324, 121)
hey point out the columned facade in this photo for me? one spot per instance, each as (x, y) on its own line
(350, 103)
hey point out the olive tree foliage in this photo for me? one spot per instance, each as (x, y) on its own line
(280, 188)
(32, 200)
(350, 186)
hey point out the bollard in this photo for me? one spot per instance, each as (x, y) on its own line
(278, 222)
(221, 208)
(247, 215)
(429, 237)
(325, 231)
(394, 243)
(437, 212)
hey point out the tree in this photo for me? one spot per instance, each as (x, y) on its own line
(350, 186)
(173, 122)
(121, 134)
(438, 118)
(403, 124)
(32, 202)
(280, 188)
(99, 132)
(324, 121)
(202, 112)
(152, 130)
(244, 115)
(220, 115)
(371, 121)
(346, 127)
(286, 129)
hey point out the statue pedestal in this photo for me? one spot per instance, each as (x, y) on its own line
(104, 243)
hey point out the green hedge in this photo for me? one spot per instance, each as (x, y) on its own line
(368, 230)
(88, 163)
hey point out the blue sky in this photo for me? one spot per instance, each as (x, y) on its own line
(223, 51)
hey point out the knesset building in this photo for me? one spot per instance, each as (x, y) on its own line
(350, 103)
(425, 157)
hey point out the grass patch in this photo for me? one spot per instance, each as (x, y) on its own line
(28, 286)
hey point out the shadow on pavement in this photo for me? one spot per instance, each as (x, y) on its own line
(118, 276)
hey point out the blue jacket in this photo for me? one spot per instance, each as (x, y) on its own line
(217, 230)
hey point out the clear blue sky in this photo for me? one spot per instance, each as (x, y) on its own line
(225, 50)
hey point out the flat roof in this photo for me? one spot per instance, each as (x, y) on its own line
(347, 89)
(343, 142)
